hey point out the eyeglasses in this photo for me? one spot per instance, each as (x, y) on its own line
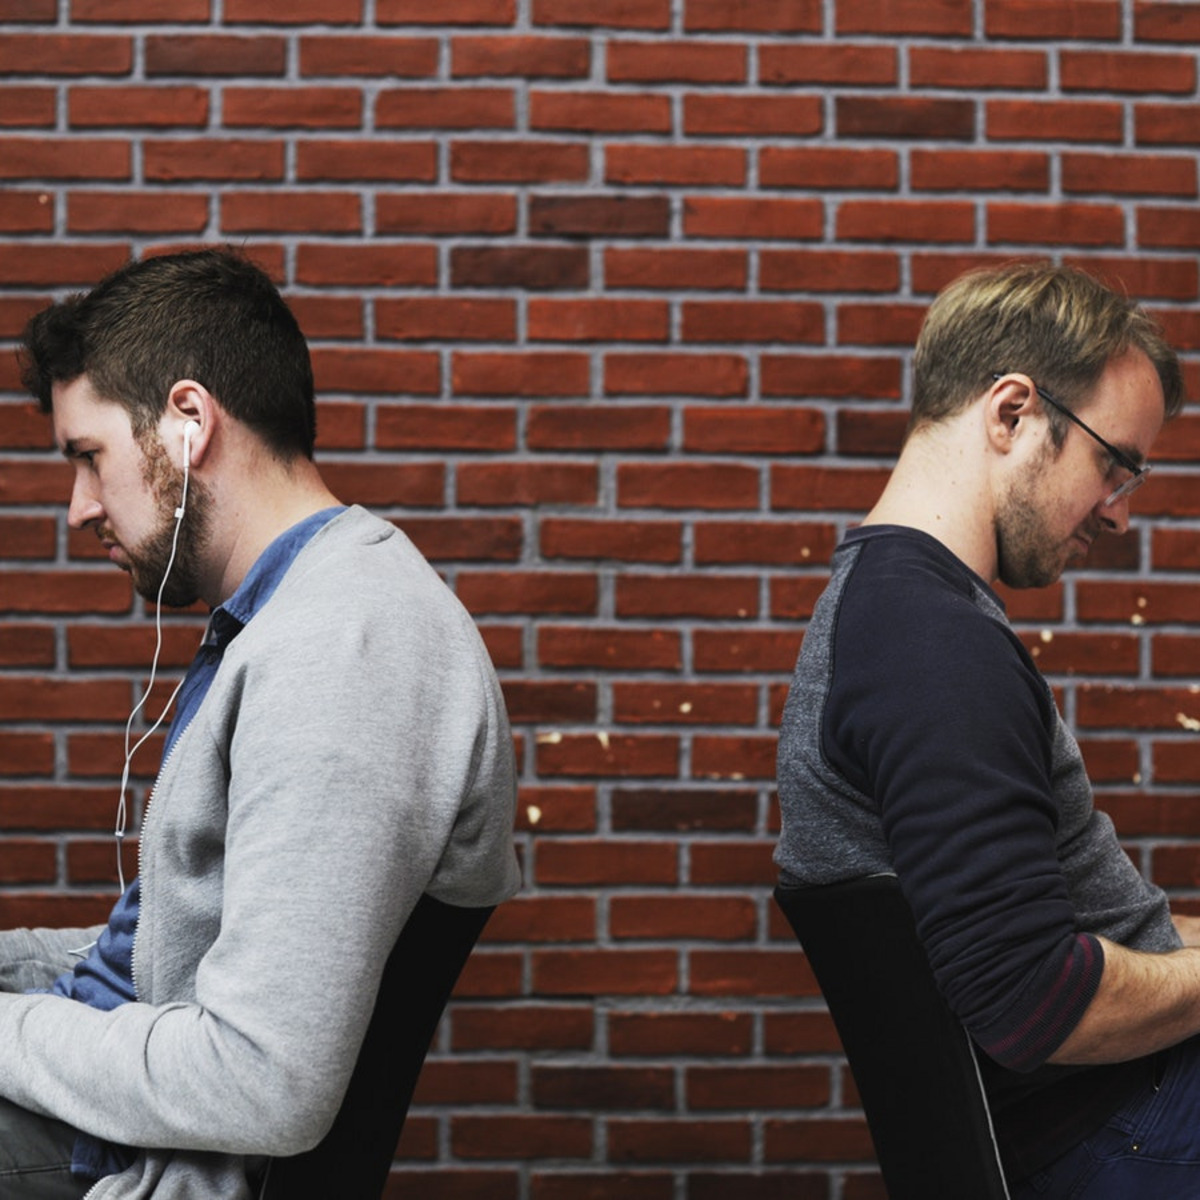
(1137, 474)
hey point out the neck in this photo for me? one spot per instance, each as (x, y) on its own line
(264, 501)
(941, 488)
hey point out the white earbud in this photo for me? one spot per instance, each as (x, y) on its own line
(190, 429)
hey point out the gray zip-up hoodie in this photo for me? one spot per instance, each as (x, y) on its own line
(352, 753)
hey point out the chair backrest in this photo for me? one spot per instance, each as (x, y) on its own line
(912, 1061)
(353, 1159)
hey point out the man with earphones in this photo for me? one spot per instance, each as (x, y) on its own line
(339, 749)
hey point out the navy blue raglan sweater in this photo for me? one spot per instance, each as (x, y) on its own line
(920, 738)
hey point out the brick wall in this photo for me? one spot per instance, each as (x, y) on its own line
(610, 304)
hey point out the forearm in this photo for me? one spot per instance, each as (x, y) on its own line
(1145, 1002)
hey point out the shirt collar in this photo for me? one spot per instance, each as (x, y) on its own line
(264, 577)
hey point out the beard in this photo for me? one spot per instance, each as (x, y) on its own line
(149, 559)
(1029, 553)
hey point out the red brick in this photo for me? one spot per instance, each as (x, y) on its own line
(386, 484)
(733, 757)
(1046, 19)
(291, 212)
(1165, 124)
(26, 107)
(64, 158)
(730, 115)
(1166, 21)
(980, 170)
(65, 54)
(529, 592)
(27, 537)
(215, 55)
(846, 65)
(906, 221)
(546, 57)
(226, 159)
(675, 374)
(26, 753)
(689, 1141)
(540, 482)
(904, 117)
(1112, 71)
(684, 703)
(521, 1137)
(977, 69)
(598, 427)
(687, 485)
(446, 213)
(354, 54)
(618, 648)
(445, 108)
(596, 1185)
(535, 268)
(548, 918)
(828, 270)
(531, 1027)
(599, 216)
(447, 12)
(599, 320)
(478, 539)
(599, 112)
(29, 10)
(697, 166)
(378, 265)
(685, 1033)
(767, 1185)
(675, 62)
(783, 16)
(351, 161)
(518, 162)
(1129, 174)
(749, 1087)
(753, 321)
(1056, 224)
(300, 12)
(158, 107)
(582, 864)
(708, 596)
(534, 373)
(683, 810)
(753, 430)
(139, 10)
(292, 107)
(445, 318)
(376, 371)
(604, 972)
(878, 324)
(1054, 120)
(580, 1085)
(26, 212)
(758, 218)
(675, 268)
(1169, 227)
(786, 543)
(608, 756)
(835, 168)
(617, 14)
(826, 489)
(818, 1140)
(631, 541)
(871, 433)
(130, 212)
(683, 916)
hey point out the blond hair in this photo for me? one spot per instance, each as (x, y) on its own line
(1058, 325)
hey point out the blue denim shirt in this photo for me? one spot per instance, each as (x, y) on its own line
(104, 979)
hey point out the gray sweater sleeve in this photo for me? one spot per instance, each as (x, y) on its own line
(350, 755)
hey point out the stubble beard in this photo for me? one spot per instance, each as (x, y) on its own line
(149, 559)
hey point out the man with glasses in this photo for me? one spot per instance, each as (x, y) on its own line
(920, 739)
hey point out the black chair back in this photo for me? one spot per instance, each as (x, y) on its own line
(912, 1061)
(353, 1159)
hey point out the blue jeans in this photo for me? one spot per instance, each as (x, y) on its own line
(1149, 1150)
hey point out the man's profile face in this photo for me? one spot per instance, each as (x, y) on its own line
(127, 490)
(1054, 508)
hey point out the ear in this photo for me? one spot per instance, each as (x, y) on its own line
(1008, 405)
(189, 401)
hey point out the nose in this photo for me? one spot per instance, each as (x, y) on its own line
(85, 507)
(1114, 517)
